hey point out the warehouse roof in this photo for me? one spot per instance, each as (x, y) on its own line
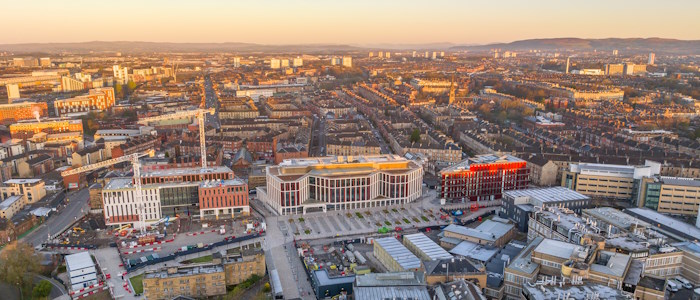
(432, 250)
(399, 253)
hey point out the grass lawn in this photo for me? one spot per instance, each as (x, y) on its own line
(137, 284)
(202, 259)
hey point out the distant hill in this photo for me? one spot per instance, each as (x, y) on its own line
(141, 47)
(632, 45)
(635, 45)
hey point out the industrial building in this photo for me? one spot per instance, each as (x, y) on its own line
(424, 247)
(395, 256)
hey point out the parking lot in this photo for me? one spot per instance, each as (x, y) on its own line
(349, 222)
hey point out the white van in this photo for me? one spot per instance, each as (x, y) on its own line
(686, 284)
(672, 286)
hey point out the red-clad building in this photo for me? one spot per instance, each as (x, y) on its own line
(223, 199)
(483, 178)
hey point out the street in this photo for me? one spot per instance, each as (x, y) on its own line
(56, 223)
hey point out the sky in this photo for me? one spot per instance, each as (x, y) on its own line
(356, 22)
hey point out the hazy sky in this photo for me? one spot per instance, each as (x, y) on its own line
(346, 22)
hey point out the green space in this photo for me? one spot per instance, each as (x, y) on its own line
(359, 215)
(307, 231)
(137, 284)
(406, 221)
(199, 260)
(387, 223)
(424, 218)
(301, 220)
(239, 289)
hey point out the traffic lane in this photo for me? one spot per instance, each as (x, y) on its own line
(77, 201)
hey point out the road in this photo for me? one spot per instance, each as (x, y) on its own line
(211, 101)
(75, 209)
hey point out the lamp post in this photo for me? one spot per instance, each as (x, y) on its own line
(20, 291)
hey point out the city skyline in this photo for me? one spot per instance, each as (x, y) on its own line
(361, 23)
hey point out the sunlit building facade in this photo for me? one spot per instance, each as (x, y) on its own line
(483, 178)
(298, 186)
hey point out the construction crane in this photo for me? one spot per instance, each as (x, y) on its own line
(175, 66)
(199, 114)
(136, 165)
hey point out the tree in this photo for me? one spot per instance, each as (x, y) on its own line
(131, 85)
(17, 263)
(415, 136)
(41, 290)
(119, 90)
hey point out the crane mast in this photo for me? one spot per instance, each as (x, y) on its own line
(136, 165)
(200, 114)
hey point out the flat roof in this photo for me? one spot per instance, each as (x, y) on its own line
(539, 196)
(614, 216)
(427, 246)
(227, 182)
(405, 258)
(694, 182)
(672, 226)
(80, 260)
(573, 292)
(481, 159)
(488, 230)
(556, 248)
(9, 201)
(22, 181)
(186, 171)
(474, 251)
(323, 278)
(185, 271)
(390, 279)
(614, 263)
(327, 160)
(392, 292)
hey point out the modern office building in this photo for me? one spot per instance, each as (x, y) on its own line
(518, 204)
(210, 193)
(483, 177)
(608, 181)
(652, 59)
(670, 195)
(340, 182)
